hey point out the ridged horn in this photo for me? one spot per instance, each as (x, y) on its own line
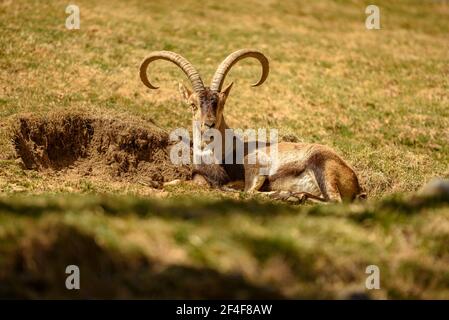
(177, 59)
(233, 58)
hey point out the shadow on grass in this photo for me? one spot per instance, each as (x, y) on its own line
(178, 208)
(395, 208)
(300, 262)
(36, 269)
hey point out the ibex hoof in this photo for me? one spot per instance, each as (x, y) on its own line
(291, 197)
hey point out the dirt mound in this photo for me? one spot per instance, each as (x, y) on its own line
(96, 146)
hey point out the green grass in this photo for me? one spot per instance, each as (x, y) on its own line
(380, 98)
(264, 249)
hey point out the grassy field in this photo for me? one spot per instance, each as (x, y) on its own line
(379, 97)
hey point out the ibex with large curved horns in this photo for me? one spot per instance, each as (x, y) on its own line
(309, 170)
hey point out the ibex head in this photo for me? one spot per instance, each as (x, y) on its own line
(207, 103)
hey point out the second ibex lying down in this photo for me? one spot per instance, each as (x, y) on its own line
(310, 171)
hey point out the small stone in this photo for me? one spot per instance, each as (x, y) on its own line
(172, 183)
(17, 188)
(19, 162)
(435, 188)
(292, 199)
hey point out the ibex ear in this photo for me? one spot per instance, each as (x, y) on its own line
(224, 94)
(185, 92)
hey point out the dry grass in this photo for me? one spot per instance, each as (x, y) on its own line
(379, 97)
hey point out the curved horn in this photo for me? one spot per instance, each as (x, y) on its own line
(233, 58)
(177, 59)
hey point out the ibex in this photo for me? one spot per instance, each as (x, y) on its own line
(311, 171)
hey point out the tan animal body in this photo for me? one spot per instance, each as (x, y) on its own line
(310, 170)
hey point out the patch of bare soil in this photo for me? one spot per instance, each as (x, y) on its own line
(105, 147)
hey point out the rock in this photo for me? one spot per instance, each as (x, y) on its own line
(172, 183)
(435, 188)
(292, 199)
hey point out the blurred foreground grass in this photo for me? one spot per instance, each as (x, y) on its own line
(184, 247)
